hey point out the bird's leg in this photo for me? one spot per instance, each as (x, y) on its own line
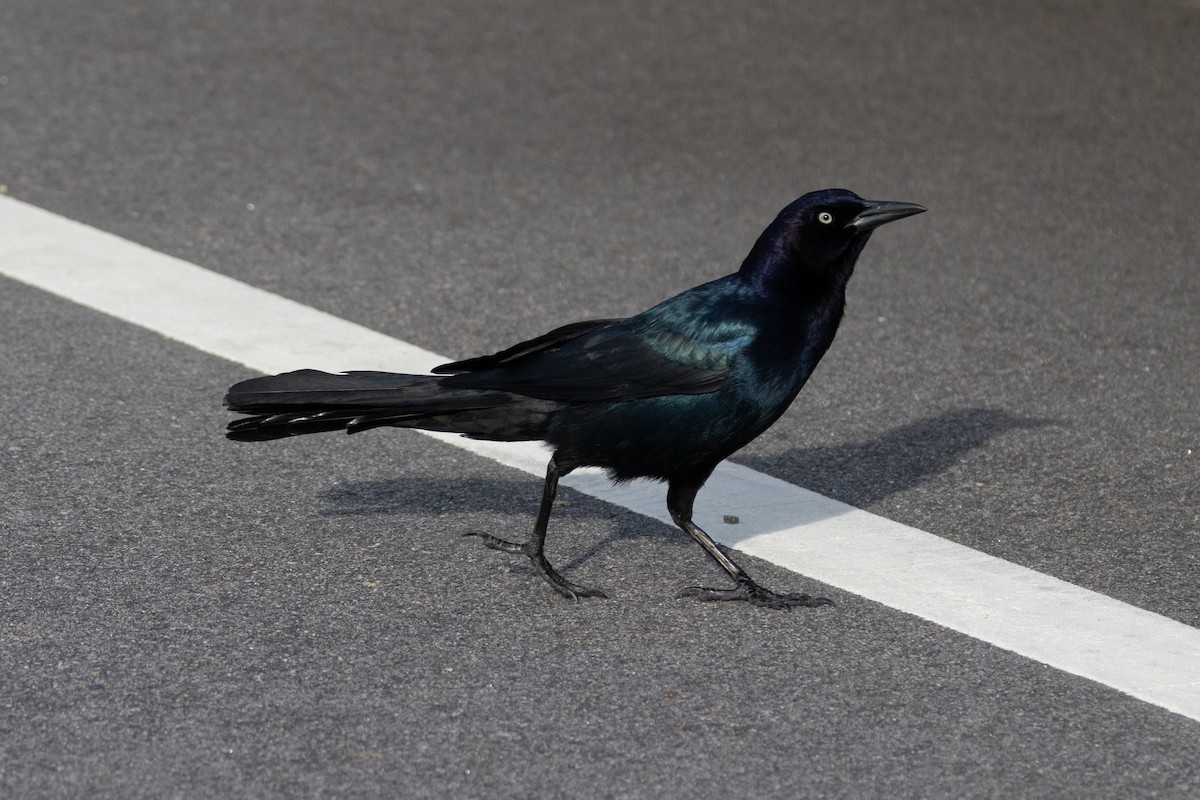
(534, 549)
(679, 502)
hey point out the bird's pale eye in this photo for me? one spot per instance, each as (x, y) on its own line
(825, 218)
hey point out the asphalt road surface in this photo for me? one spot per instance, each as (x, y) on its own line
(1017, 373)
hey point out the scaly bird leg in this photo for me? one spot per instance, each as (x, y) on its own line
(534, 549)
(679, 502)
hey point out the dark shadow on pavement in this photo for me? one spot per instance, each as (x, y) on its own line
(863, 473)
(859, 473)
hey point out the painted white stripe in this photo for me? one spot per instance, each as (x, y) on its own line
(1135, 651)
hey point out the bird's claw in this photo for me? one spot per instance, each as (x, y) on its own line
(503, 545)
(755, 595)
(569, 590)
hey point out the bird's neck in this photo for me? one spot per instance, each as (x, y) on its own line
(801, 307)
(781, 270)
(785, 282)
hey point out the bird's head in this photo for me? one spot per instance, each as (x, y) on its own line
(816, 239)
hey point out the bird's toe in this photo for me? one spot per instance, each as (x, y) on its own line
(755, 595)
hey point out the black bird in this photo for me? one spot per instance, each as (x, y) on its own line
(666, 394)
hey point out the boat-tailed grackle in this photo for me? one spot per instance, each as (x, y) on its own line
(666, 394)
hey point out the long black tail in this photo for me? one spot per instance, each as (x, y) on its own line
(310, 401)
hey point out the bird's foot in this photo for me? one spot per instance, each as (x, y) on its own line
(503, 545)
(569, 590)
(750, 592)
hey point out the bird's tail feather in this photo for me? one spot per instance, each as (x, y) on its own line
(310, 401)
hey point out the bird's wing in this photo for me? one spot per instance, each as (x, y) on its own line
(545, 342)
(618, 360)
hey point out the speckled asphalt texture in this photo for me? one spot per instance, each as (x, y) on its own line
(181, 616)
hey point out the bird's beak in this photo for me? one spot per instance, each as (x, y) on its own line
(881, 212)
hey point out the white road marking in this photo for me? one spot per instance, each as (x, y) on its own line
(1143, 654)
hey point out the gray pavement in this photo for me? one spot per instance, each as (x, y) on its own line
(180, 616)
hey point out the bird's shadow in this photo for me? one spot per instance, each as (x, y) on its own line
(858, 473)
(863, 473)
